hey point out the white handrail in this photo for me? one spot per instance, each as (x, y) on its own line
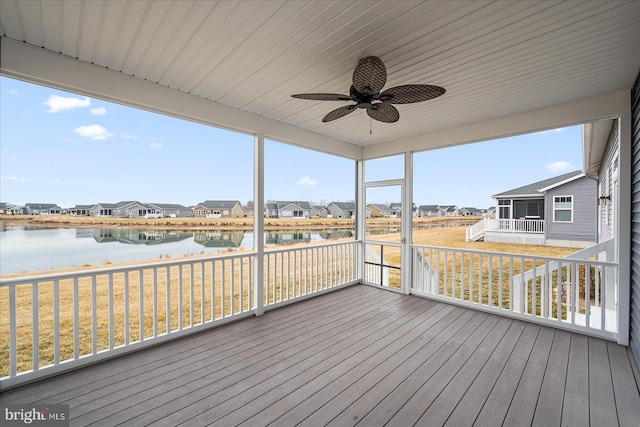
(577, 295)
(100, 313)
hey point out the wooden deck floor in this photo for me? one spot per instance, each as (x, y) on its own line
(358, 356)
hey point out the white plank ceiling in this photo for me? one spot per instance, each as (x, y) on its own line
(495, 58)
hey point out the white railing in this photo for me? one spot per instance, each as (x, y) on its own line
(476, 229)
(290, 274)
(55, 322)
(382, 264)
(559, 293)
(516, 225)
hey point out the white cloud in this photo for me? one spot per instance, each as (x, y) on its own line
(128, 136)
(560, 166)
(98, 111)
(95, 132)
(60, 103)
(156, 146)
(14, 178)
(307, 181)
(12, 92)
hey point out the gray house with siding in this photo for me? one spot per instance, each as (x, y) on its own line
(42, 209)
(559, 211)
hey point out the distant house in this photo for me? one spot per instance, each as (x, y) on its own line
(124, 209)
(219, 209)
(169, 210)
(381, 211)
(427, 211)
(81, 210)
(10, 209)
(42, 209)
(448, 210)
(318, 210)
(472, 212)
(288, 209)
(342, 210)
(559, 211)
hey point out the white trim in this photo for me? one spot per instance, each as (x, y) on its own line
(566, 181)
(553, 209)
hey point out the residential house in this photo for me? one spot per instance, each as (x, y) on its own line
(396, 208)
(319, 211)
(448, 210)
(559, 211)
(288, 209)
(81, 210)
(219, 209)
(379, 210)
(124, 209)
(472, 212)
(10, 209)
(343, 210)
(42, 209)
(169, 210)
(427, 210)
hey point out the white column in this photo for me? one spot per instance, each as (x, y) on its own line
(407, 224)
(360, 219)
(623, 231)
(258, 223)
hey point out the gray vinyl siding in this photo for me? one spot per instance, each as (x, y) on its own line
(606, 212)
(584, 225)
(634, 321)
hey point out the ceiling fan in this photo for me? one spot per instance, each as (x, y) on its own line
(369, 77)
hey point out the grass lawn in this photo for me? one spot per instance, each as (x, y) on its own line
(140, 282)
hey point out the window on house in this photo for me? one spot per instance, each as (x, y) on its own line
(504, 209)
(563, 209)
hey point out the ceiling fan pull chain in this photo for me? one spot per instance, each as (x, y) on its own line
(370, 126)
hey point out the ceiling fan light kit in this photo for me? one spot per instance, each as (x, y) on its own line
(369, 77)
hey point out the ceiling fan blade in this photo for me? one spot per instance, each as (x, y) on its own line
(384, 112)
(408, 94)
(370, 75)
(339, 112)
(322, 96)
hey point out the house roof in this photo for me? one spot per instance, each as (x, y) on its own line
(563, 62)
(345, 206)
(219, 204)
(41, 206)
(535, 189)
(168, 205)
(280, 204)
(428, 208)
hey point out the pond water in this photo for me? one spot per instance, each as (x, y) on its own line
(27, 249)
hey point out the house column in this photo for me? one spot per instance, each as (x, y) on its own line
(258, 223)
(407, 224)
(623, 230)
(360, 220)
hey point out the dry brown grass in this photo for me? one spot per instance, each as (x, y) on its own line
(453, 237)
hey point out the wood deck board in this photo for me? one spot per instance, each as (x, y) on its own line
(357, 356)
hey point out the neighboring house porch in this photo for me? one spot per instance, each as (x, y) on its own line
(559, 211)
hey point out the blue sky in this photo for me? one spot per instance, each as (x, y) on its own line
(58, 147)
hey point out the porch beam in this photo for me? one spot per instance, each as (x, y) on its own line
(573, 113)
(36, 65)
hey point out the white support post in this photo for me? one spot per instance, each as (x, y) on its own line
(360, 220)
(406, 224)
(624, 229)
(258, 223)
